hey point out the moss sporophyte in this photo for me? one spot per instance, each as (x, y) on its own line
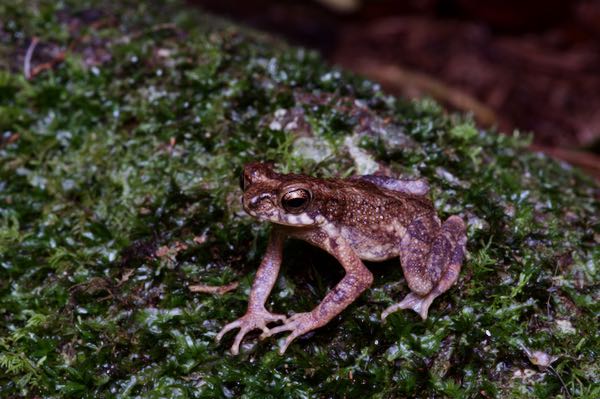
(123, 130)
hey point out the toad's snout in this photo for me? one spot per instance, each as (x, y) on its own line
(254, 203)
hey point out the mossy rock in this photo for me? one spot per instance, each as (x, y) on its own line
(118, 190)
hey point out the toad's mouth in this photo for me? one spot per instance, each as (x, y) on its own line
(301, 219)
(262, 215)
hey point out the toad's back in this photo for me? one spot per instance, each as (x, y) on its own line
(372, 219)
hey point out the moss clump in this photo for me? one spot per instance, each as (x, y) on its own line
(118, 189)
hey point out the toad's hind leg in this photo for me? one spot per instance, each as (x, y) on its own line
(430, 269)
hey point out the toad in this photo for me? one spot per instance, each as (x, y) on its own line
(371, 218)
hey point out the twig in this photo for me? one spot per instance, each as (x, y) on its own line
(135, 35)
(544, 362)
(48, 65)
(10, 139)
(214, 289)
(28, 55)
(561, 381)
(60, 57)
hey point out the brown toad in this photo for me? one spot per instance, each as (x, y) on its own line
(366, 217)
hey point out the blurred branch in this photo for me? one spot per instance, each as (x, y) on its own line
(342, 5)
(400, 79)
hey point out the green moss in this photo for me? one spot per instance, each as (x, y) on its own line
(134, 143)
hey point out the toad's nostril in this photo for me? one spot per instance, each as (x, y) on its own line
(255, 201)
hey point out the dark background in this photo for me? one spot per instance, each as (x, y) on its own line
(528, 65)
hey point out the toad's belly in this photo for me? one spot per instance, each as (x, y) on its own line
(375, 244)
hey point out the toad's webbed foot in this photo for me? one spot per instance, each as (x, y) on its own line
(411, 301)
(299, 324)
(431, 259)
(252, 320)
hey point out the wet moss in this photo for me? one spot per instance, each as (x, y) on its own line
(118, 189)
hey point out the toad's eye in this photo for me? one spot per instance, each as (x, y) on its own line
(296, 200)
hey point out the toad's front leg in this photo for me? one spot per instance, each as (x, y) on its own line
(357, 279)
(257, 317)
